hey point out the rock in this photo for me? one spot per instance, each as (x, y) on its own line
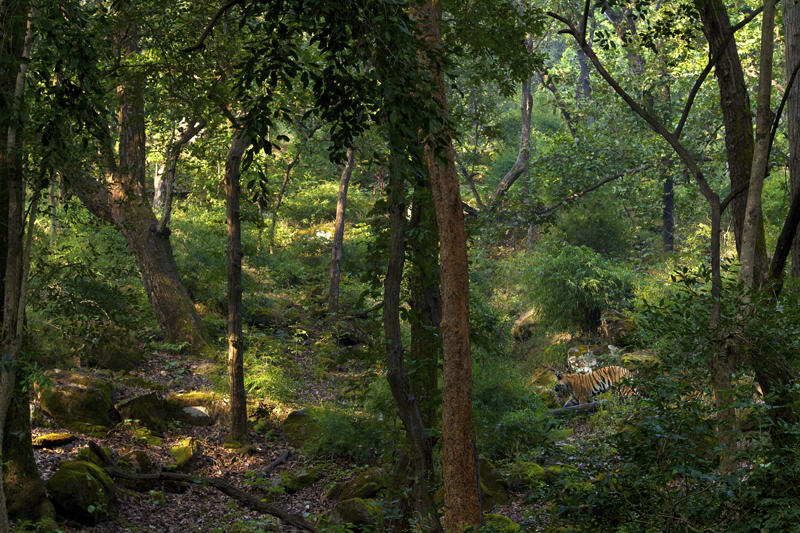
(83, 492)
(196, 408)
(186, 454)
(297, 480)
(86, 454)
(365, 485)
(501, 524)
(138, 462)
(555, 472)
(113, 348)
(77, 402)
(349, 333)
(148, 409)
(493, 486)
(144, 435)
(526, 475)
(299, 426)
(53, 440)
(356, 512)
(641, 362)
(617, 327)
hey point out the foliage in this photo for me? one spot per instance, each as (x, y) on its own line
(509, 417)
(349, 433)
(574, 285)
(267, 374)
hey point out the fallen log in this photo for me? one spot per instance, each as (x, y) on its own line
(577, 409)
(277, 462)
(226, 488)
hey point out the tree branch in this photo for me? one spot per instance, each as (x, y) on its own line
(201, 41)
(218, 483)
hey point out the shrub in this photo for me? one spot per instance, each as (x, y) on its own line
(573, 285)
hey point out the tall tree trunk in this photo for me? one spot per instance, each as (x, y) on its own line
(735, 105)
(461, 492)
(397, 375)
(791, 29)
(239, 144)
(122, 200)
(280, 199)
(338, 234)
(162, 199)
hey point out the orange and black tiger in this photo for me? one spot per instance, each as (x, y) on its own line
(582, 387)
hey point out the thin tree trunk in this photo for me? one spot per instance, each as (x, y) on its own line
(668, 215)
(338, 234)
(397, 375)
(53, 211)
(280, 199)
(239, 144)
(791, 29)
(749, 274)
(162, 199)
(524, 156)
(461, 492)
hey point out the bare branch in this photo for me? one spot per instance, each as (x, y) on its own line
(201, 41)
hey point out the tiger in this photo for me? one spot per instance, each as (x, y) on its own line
(582, 387)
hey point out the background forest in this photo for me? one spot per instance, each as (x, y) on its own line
(365, 236)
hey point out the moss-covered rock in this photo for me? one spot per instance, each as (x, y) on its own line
(144, 435)
(83, 492)
(548, 396)
(641, 362)
(148, 409)
(493, 485)
(365, 485)
(501, 524)
(196, 408)
(617, 327)
(297, 480)
(300, 426)
(526, 475)
(556, 472)
(77, 402)
(138, 462)
(356, 511)
(186, 454)
(53, 440)
(86, 454)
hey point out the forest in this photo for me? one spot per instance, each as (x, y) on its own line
(400, 265)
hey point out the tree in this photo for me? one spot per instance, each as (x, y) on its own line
(338, 234)
(791, 29)
(461, 492)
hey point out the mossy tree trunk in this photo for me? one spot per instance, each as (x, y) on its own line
(122, 200)
(239, 144)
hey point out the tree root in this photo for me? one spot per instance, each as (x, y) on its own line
(250, 501)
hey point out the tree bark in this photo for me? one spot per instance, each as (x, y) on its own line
(668, 215)
(735, 105)
(122, 201)
(397, 375)
(162, 198)
(750, 274)
(338, 234)
(461, 492)
(239, 144)
(524, 155)
(791, 29)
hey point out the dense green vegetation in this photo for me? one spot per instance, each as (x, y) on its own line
(580, 232)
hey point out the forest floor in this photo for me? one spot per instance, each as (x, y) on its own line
(206, 509)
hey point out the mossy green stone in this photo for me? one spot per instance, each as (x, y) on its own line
(366, 485)
(77, 402)
(82, 491)
(145, 435)
(355, 511)
(86, 454)
(53, 440)
(298, 480)
(299, 427)
(501, 524)
(185, 454)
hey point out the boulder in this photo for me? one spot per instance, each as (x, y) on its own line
(77, 402)
(148, 409)
(526, 475)
(53, 440)
(82, 492)
(642, 362)
(186, 455)
(86, 454)
(493, 486)
(583, 359)
(297, 480)
(196, 408)
(299, 426)
(266, 317)
(138, 462)
(617, 327)
(501, 524)
(355, 512)
(365, 485)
